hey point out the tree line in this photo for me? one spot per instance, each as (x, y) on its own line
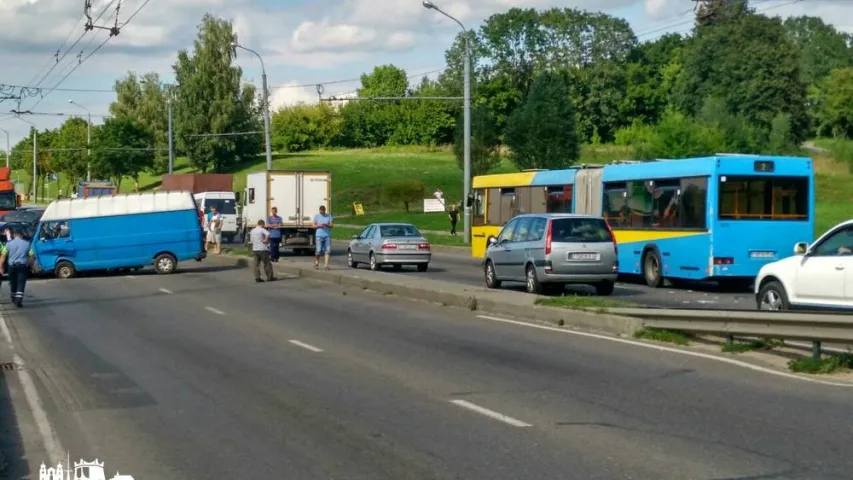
(543, 82)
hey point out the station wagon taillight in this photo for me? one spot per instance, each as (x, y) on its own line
(549, 237)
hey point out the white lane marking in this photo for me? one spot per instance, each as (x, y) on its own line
(490, 413)
(6, 334)
(165, 291)
(213, 310)
(662, 348)
(51, 442)
(305, 346)
(129, 276)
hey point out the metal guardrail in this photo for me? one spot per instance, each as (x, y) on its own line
(816, 328)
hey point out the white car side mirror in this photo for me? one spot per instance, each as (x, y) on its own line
(801, 248)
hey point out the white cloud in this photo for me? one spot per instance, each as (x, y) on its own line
(291, 94)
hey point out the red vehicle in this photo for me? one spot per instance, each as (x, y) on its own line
(9, 200)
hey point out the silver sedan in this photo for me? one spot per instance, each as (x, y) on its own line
(395, 244)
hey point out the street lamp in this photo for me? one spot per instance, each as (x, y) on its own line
(234, 47)
(466, 218)
(8, 164)
(35, 157)
(88, 141)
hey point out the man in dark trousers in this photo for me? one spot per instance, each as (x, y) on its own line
(274, 227)
(18, 253)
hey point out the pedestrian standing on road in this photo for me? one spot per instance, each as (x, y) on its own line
(214, 229)
(260, 239)
(453, 214)
(323, 236)
(19, 254)
(274, 227)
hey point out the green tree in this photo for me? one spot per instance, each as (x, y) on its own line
(821, 47)
(72, 158)
(304, 127)
(22, 155)
(485, 142)
(833, 104)
(211, 99)
(145, 100)
(121, 148)
(405, 192)
(372, 123)
(750, 63)
(542, 133)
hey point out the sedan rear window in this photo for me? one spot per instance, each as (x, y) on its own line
(398, 231)
(579, 230)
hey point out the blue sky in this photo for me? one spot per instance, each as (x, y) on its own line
(321, 41)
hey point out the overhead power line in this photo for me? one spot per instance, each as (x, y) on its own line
(55, 114)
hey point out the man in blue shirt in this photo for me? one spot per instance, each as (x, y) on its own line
(18, 253)
(274, 227)
(323, 236)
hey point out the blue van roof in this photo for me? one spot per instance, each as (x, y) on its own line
(123, 204)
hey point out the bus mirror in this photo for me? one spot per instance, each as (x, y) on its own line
(801, 248)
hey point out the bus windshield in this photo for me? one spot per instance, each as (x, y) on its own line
(763, 198)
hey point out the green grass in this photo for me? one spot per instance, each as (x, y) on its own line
(582, 302)
(345, 233)
(829, 364)
(668, 336)
(424, 221)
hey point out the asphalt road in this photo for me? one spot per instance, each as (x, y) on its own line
(205, 374)
(468, 271)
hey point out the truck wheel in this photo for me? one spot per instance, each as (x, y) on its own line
(165, 264)
(65, 270)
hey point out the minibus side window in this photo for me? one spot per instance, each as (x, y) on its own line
(51, 230)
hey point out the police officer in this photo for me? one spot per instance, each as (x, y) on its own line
(18, 254)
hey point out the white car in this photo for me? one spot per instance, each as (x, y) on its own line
(819, 276)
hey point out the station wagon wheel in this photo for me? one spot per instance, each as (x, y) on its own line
(165, 264)
(532, 283)
(492, 277)
(350, 262)
(652, 269)
(373, 265)
(65, 270)
(772, 297)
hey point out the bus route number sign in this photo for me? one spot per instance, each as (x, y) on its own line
(764, 166)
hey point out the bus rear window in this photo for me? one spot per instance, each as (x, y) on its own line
(579, 230)
(763, 198)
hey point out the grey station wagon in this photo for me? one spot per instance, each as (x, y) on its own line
(549, 251)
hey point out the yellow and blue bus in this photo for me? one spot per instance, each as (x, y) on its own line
(712, 218)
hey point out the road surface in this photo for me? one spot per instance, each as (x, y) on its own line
(468, 271)
(205, 374)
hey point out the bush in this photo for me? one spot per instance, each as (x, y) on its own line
(303, 127)
(405, 192)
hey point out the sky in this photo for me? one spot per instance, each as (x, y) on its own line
(302, 42)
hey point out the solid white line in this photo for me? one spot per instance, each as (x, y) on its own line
(211, 309)
(490, 413)
(662, 348)
(305, 346)
(51, 442)
(129, 276)
(6, 334)
(165, 291)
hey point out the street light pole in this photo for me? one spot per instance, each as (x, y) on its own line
(8, 149)
(266, 95)
(466, 217)
(88, 140)
(35, 157)
(171, 142)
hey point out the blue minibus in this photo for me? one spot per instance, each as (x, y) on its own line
(118, 232)
(715, 218)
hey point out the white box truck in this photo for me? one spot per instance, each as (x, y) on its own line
(297, 195)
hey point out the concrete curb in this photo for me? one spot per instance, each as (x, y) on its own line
(454, 295)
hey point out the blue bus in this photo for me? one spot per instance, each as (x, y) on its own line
(712, 218)
(126, 231)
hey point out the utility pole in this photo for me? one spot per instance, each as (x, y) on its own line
(467, 197)
(35, 161)
(266, 100)
(171, 141)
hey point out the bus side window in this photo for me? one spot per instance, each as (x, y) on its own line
(477, 209)
(615, 204)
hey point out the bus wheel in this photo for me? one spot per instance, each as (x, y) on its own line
(652, 269)
(65, 270)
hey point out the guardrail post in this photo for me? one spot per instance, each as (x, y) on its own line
(816, 350)
(730, 339)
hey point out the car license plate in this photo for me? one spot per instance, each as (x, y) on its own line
(585, 257)
(408, 247)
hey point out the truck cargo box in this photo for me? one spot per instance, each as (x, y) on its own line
(198, 182)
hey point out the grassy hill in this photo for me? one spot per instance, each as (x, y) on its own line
(358, 175)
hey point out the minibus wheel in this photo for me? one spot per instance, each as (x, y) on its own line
(64, 270)
(165, 264)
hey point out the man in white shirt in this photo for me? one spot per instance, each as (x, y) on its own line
(259, 238)
(214, 229)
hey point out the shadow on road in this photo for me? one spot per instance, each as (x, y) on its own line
(13, 465)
